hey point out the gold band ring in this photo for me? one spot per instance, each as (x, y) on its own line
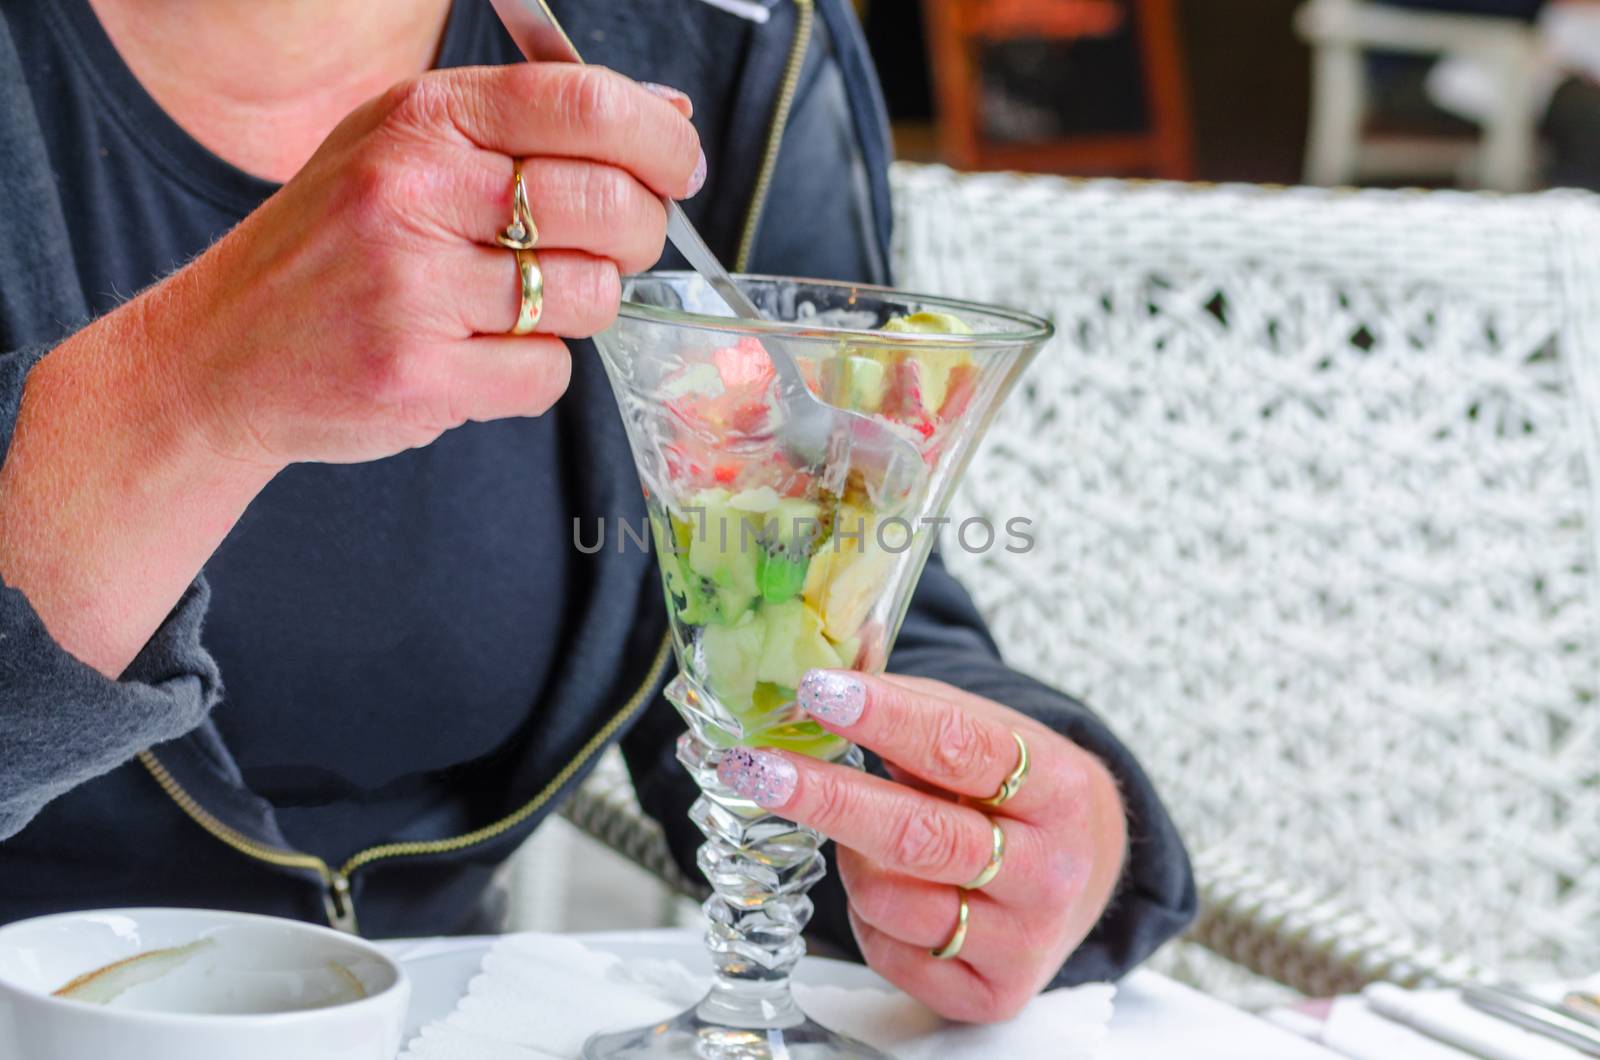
(530, 278)
(1013, 783)
(959, 937)
(991, 870)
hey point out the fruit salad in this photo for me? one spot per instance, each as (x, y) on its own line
(771, 569)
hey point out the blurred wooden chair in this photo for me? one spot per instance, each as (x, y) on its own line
(959, 29)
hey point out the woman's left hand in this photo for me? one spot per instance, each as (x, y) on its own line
(908, 845)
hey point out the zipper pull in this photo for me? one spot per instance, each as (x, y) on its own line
(340, 904)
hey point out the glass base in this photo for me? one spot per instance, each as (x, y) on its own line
(691, 1036)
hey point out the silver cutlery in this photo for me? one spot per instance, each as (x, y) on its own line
(1537, 1015)
(1584, 1006)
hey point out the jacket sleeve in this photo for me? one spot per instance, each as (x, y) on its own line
(832, 174)
(63, 723)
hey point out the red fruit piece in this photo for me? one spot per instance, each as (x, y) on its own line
(744, 365)
(902, 401)
(749, 418)
(963, 384)
(746, 372)
(812, 373)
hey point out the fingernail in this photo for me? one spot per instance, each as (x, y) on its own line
(697, 180)
(762, 777)
(832, 695)
(670, 94)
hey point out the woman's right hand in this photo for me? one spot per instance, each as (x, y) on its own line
(364, 308)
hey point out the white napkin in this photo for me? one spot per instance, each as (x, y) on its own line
(1378, 1025)
(539, 997)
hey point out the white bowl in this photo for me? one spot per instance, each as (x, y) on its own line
(248, 994)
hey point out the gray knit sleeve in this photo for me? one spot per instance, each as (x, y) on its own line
(63, 723)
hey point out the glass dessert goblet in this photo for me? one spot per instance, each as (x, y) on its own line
(779, 555)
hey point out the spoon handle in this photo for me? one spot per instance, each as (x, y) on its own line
(683, 235)
(535, 31)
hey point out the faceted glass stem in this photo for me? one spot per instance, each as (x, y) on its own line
(760, 867)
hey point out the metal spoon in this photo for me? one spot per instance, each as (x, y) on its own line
(810, 426)
(1535, 1014)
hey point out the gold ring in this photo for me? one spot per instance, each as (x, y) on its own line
(530, 278)
(958, 938)
(991, 870)
(521, 233)
(1013, 783)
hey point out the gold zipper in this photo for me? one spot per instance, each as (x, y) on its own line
(336, 882)
(805, 11)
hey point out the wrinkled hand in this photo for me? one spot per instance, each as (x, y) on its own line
(907, 845)
(363, 309)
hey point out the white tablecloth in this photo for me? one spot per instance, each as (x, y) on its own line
(1154, 1016)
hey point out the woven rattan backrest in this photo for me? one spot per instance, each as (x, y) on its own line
(1312, 479)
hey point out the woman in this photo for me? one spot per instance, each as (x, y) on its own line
(312, 433)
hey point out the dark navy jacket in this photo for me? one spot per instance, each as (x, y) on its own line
(126, 793)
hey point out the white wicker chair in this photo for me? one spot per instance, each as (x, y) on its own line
(1313, 477)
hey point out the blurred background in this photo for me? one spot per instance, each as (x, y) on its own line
(1499, 94)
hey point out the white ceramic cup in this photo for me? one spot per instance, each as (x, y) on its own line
(242, 996)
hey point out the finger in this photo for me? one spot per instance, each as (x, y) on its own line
(576, 205)
(912, 910)
(952, 988)
(916, 783)
(676, 97)
(581, 292)
(941, 736)
(597, 208)
(977, 704)
(903, 830)
(1001, 941)
(924, 914)
(585, 112)
(493, 376)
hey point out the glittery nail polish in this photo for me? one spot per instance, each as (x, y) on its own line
(698, 179)
(762, 777)
(666, 92)
(833, 696)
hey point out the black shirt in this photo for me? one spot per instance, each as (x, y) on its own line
(413, 592)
